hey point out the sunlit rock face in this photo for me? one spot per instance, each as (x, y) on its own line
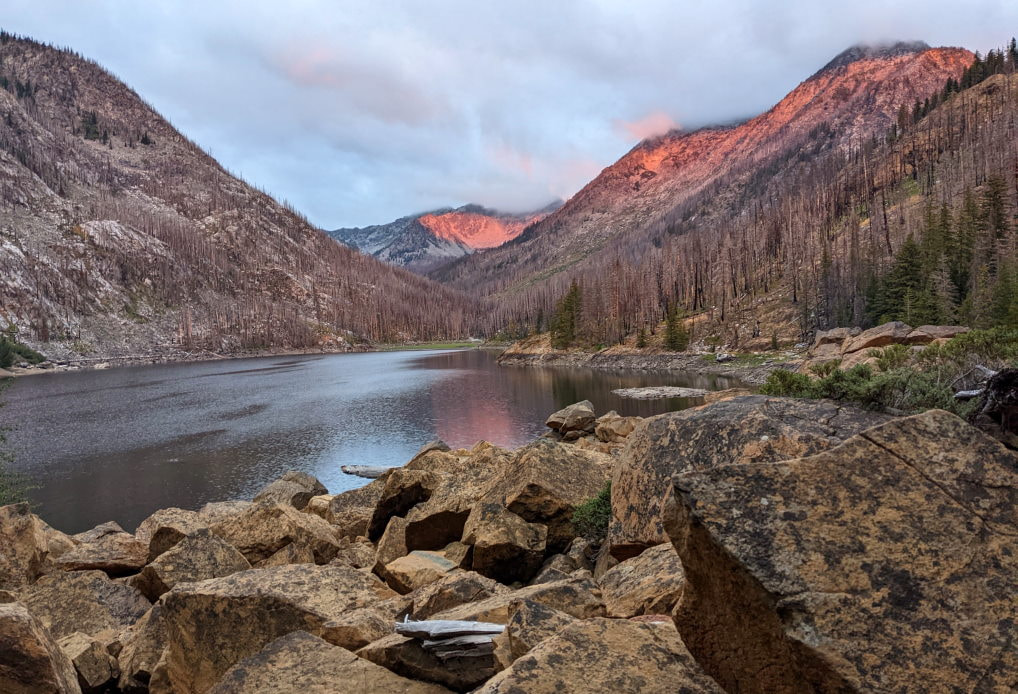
(427, 241)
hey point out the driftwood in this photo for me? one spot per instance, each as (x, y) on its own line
(444, 629)
(370, 471)
(997, 411)
(454, 640)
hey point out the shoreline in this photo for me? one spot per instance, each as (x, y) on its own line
(753, 374)
(103, 363)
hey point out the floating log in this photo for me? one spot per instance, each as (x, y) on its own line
(445, 629)
(369, 471)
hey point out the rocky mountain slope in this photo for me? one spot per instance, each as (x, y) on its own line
(427, 241)
(118, 236)
(753, 545)
(855, 97)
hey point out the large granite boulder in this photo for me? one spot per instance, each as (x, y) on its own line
(650, 583)
(529, 624)
(357, 628)
(751, 429)
(293, 488)
(578, 417)
(31, 662)
(885, 564)
(453, 590)
(142, 647)
(86, 601)
(350, 512)
(610, 654)
(261, 530)
(211, 625)
(416, 569)
(198, 556)
(546, 481)
(94, 666)
(576, 596)
(106, 548)
(166, 527)
(300, 663)
(925, 334)
(27, 546)
(505, 547)
(613, 427)
(880, 336)
(404, 488)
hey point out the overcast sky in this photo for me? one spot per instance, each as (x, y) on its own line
(358, 112)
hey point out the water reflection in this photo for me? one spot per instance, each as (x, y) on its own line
(121, 443)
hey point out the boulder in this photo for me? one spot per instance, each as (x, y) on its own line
(198, 556)
(612, 427)
(743, 430)
(166, 527)
(27, 546)
(143, 646)
(578, 597)
(576, 417)
(546, 481)
(392, 544)
(106, 548)
(505, 547)
(212, 624)
(430, 446)
(452, 590)
(406, 657)
(285, 492)
(834, 336)
(925, 334)
(350, 512)
(529, 624)
(357, 628)
(86, 601)
(319, 505)
(217, 511)
(306, 480)
(293, 553)
(887, 561)
(650, 583)
(299, 663)
(880, 336)
(416, 569)
(616, 655)
(458, 553)
(261, 530)
(404, 488)
(31, 662)
(94, 666)
(358, 554)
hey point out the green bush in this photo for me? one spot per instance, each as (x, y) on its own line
(12, 351)
(591, 518)
(892, 357)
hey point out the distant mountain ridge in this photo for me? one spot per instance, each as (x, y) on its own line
(427, 241)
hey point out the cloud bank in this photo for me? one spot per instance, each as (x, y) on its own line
(363, 111)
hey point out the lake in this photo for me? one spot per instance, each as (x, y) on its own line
(121, 443)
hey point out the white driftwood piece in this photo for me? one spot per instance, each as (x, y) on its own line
(369, 471)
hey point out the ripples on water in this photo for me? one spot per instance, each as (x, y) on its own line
(121, 443)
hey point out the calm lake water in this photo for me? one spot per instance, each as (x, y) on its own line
(121, 443)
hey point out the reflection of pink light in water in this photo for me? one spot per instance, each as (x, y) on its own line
(461, 423)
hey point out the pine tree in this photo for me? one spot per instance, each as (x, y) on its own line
(566, 319)
(641, 338)
(676, 335)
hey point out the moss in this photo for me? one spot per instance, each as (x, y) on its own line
(591, 518)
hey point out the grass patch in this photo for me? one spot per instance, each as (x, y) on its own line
(591, 518)
(904, 381)
(426, 345)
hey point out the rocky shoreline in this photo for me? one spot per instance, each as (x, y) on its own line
(754, 544)
(690, 363)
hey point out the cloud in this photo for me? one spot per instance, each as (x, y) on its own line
(654, 123)
(363, 111)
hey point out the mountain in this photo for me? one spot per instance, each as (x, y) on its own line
(855, 96)
(120, 237)
(427, 241)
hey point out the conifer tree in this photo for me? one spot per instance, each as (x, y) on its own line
(676, 335)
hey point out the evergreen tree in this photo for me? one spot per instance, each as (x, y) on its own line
(676, 335)
(641, 337)
(566, 319)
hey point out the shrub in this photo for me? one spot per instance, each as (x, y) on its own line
(12, 351)
(892, 357)
(591, 518)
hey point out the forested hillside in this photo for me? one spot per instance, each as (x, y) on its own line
(118, 236)
(913, 222)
